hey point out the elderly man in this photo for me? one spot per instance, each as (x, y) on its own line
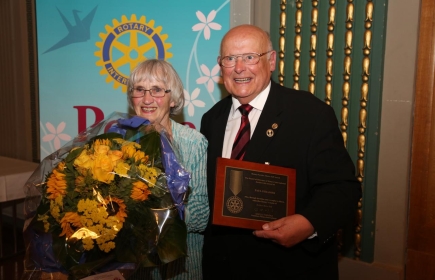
(305, 137)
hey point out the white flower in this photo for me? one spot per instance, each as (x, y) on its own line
(209, 78)
(56, 134)
(206, 23)
(191, 102)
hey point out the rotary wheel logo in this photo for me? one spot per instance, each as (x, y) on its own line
(126, 44)
(234, 204)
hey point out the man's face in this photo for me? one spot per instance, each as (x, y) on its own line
(244, 81)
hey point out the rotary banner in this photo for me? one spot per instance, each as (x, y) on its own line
(86, 50)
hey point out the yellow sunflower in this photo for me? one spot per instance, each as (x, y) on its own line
(117, 208)
(69, 223)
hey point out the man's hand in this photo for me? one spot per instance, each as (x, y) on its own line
(287, 231)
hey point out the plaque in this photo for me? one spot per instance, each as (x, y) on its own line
(248, 194)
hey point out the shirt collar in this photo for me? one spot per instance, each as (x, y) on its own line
(258, 102)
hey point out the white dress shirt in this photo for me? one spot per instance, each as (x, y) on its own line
(234, 119)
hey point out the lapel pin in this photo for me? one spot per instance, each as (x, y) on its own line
(269, 132)
(274, 126)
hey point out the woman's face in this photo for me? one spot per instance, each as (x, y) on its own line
(154, 109)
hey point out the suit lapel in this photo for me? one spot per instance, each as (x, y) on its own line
(267, 127)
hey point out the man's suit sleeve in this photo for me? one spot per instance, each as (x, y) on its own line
(334, 191)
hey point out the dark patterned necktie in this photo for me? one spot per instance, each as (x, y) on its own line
(243, 135)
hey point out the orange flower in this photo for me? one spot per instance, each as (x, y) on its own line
(70, 223)
(56, 184)
(140, 191)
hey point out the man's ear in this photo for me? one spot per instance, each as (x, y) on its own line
(272, 61)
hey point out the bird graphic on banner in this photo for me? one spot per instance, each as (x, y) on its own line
(76, 33)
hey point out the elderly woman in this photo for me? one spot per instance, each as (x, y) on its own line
(155, 92)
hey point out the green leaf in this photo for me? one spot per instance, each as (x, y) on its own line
(71, 157)
(172, 242)
(150, 145)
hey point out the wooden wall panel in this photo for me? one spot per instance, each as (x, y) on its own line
(421, 228)
(18, 98)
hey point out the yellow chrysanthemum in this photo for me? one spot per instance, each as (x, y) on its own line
(88, 243)
(56, 206)
(69, 223)
(44, 219)
(122, 169)
(140, 191)
(149, 174)
(86, 205)
(106, 247)
(96, 219)
(54, 210)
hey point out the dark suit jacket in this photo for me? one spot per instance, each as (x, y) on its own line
(307, 139)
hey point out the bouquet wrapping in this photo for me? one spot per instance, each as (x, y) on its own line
(110, 199)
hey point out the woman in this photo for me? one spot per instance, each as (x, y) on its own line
(154, 92)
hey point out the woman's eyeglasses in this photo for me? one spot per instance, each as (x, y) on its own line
(154, 92)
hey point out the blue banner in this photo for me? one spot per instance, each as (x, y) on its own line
(86, 50)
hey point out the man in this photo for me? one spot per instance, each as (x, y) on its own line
(305, 137)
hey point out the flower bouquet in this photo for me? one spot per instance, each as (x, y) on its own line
(111, 199)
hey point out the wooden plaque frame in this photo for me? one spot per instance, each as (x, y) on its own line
(254, 221)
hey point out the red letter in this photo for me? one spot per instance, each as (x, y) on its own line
(109, 125)
(99, 116)
(189, 124)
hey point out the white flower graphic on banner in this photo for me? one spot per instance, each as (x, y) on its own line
(56, 134)
(201, 70)
(209, 78)
(190, 101)
(206, 23)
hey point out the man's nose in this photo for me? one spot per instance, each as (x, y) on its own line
(240, 64)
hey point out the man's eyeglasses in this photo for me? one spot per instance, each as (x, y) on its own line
(248, 58)
(154, 92)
